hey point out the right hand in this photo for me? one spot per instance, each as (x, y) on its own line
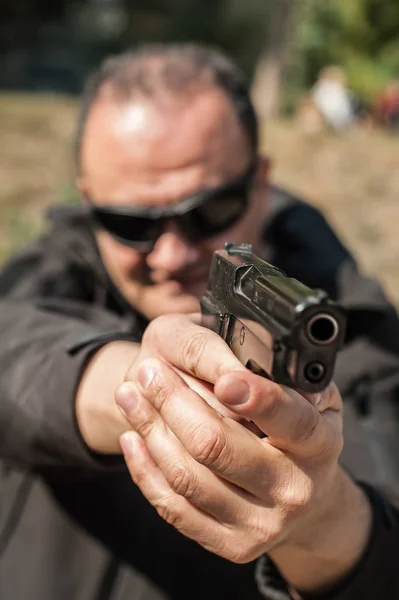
(179, 341)
(237, 494)
(197, 354)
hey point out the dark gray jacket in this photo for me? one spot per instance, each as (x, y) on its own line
(72, 524)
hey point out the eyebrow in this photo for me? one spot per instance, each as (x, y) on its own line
(179, 206)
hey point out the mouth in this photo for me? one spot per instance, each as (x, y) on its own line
(187, 278)
(191, 277)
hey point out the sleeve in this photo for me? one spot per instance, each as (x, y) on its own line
(375, 576)
(39, 376)
(305, 247)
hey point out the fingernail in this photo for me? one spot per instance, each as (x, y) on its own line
(236, 392)
(145, 374)
(126, 398)
(126, 445)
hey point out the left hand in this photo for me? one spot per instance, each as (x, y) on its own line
(237, 494)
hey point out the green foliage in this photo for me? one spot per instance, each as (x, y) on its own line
(359, 35)
(236, 27)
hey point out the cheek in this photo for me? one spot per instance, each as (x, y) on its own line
(116, 257)
(247, 230)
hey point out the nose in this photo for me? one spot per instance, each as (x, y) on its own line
(172, 251)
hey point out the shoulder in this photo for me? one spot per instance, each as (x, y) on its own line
(298, 221)
(301, 241)
(58, 263)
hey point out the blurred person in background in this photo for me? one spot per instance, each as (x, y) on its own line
(332, 98)
(100, 354)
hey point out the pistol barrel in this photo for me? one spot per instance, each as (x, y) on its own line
(275, 325)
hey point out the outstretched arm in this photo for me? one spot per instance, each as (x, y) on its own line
(238, 494)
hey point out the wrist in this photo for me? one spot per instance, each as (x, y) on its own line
(332, 540)
(99, 420)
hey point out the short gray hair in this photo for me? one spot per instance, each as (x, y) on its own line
(154, 68)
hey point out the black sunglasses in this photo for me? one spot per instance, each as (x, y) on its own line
(200, 216)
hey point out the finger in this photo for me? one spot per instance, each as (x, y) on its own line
(289, 419)
(184, 475)
(220, 444)
(171, 507)
(193, 349)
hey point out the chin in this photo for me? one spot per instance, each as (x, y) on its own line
(163, 299)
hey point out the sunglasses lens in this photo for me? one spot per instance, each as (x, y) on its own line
(129, 229)
(207, 214)
(219, 214)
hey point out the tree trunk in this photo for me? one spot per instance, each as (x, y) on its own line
(266, 88)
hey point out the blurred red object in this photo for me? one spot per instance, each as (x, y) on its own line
(387, 106)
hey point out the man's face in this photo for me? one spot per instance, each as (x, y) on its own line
(142, 153)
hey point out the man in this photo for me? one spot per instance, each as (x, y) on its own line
(169, 171)
(332, 98)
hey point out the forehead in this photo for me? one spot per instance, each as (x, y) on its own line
(173, 141)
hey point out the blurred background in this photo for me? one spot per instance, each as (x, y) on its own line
(324, 79)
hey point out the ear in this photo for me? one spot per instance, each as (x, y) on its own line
(264, 168)
(82, 187)
(262, 183)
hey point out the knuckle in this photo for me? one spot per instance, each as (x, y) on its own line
(297, 503)
(220, 541)
(159, 391)
(192, 350)
(168, 510)
(182, 481)
(296, 500)
(258, 535)
(243, 557)
(304, 427)
(209, 445)
(218, 546)
(241, 551)
(145, 428)
(139, 475)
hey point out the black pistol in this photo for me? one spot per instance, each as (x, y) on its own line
(275, 325)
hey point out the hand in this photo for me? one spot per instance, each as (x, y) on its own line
(179, 341)
(99, 421)
(235, 493)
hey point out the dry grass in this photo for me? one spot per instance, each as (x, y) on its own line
(355, 179)
(35, 162)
